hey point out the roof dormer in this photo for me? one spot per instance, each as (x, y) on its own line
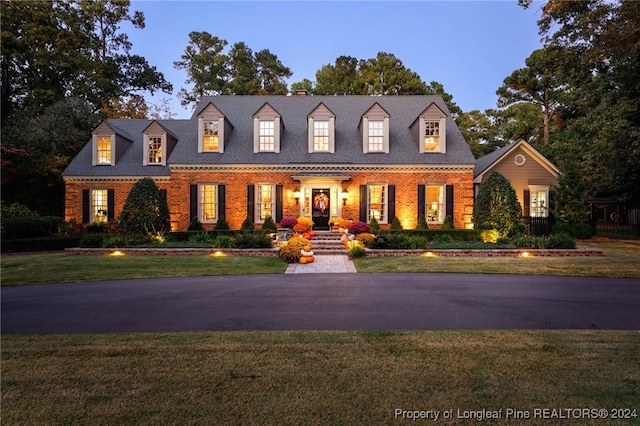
(374, 128)
(267, 129)
(108, 144)
(321, 123)
(213, 129)
(158, 143)
(430, 130)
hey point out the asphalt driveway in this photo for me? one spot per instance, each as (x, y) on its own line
(324, 302)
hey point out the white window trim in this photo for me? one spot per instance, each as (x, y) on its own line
(258, 204)
(145, 160)
(332, 138)
(539, 188)
(201, 121)
(443, 205)
(201, 202)
(94, 151)
(442, 148)
(384, 219)
(385, 136)
(276, 135)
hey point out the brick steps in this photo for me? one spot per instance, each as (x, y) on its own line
(326, 242)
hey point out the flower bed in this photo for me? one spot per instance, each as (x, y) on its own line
(485, 253)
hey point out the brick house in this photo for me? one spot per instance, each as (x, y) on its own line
(355, 157)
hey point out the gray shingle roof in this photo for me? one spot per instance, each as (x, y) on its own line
(239, 111)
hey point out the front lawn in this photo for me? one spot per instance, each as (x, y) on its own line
(296, 378)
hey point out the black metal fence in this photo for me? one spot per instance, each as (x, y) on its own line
(618, 225)
(538, 225)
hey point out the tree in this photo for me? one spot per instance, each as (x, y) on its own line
(497, 207)
(145, 210)
(243, 70)
(271, 73)
(571, 195)
(207, 67)
(478, 130)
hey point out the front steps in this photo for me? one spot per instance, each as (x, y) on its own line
(327, 242)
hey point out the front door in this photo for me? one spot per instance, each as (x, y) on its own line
(320, 208)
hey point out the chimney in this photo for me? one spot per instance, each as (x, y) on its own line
(301, 92)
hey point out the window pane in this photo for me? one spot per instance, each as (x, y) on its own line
(376, 136)
(210, 142)
(104, 150)
(321, 136)
(377, 202)
(208, 205)
(99, 207)
(155, 150)
(538, 204)
(267, 136)
(431, 135)
(266, 202)
(435, 203)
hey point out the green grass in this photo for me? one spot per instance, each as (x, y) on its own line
(59, 267)
(619, 260)
(294, 378)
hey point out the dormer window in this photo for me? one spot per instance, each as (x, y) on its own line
(431, 136)
(267, 130)
(154, 147)
(429, 130)
(210, 141)
(267, 136)
(375, 130)
(103, 144)
(321, 123)
(213, 129)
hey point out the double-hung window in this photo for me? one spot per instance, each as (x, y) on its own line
(154, 150)
(431, 136)
(435, 207)
(210, 140)
(377, 202)
(320, 136)
(208, 206)
(99, 205)
(376, 136)
(539, 201)
(265, 202)
(104, 150)
(267, 136)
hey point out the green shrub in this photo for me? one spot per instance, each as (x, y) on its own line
(560, 241)
(247, 225)
(116, 241)
(30, 226)
(530, 241)
(269, 225)
(200, 237)
(395, 224)
(497, 206)
(222, 224)
(490, 236)
(357, 251)
(195, 224)
(41, 244)
(92, 241)
(374, 225)
(416, 242)
(253, 240)
(561, 228)
(448, 222)
(442, 238)
(396, 240)
(422, 222)
(581, 231)
(224, 241)
(145, 209)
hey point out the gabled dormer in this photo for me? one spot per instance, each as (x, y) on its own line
(374, 128)
(430, 130)
(321, 124)
(158, 144)
(267, 129)
(213, 129)
(108, 144)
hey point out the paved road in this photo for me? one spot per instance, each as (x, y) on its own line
(324, 302)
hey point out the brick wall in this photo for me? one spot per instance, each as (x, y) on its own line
(178, 194)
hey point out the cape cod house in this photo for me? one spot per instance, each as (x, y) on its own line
(355, 157)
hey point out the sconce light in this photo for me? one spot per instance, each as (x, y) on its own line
(296, 195)
(344, 194)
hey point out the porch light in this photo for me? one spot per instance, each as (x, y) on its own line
(297, 194)
(344, 195)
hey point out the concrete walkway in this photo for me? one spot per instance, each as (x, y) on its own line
(324, 264)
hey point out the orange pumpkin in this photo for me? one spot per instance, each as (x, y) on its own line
(306, 235)
(312, 234)
(303, 260)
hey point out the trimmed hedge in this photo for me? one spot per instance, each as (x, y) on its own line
(41, 244)
(437, 234)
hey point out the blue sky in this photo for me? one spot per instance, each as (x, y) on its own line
(467, 46)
